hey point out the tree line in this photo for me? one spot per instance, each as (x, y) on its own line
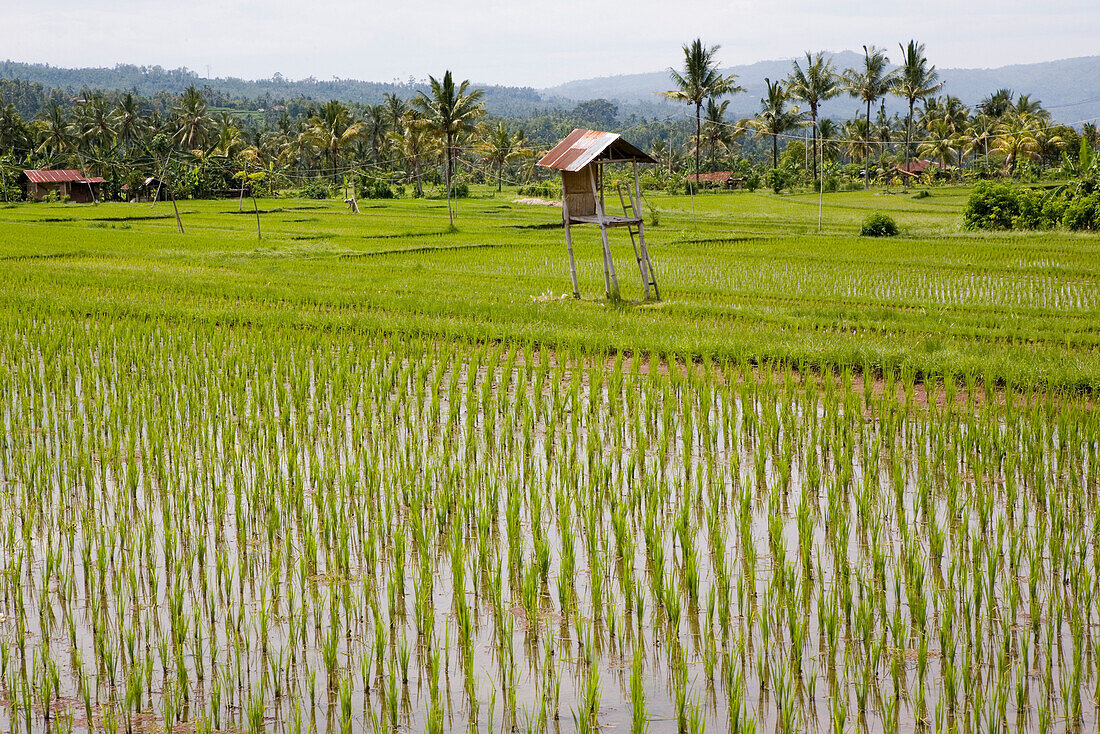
(204, 141)
(1003, 130)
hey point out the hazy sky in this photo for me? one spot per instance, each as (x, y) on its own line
(524, 43)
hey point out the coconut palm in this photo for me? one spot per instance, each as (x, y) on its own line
(1091, 133)
(333, 130)
(942, 144)
(93, 124)
(830, 139)
(774, 118)
(699, 82)
(813, 85)
(997, 104)
(1014, 140)
(977, 135)
(395, 111)
(870, 84)
(916, 80)
(192, 124)
(502, 147)
(450, 112)
(413, 141)
(718, 134)
(129, 120)
(54, 136)
(857, 135)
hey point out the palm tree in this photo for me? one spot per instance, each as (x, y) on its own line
(997, 104)
(977, 135)
(830, 143)
(376, 128)
(774, 118)
(857, 135)
(129, 121)
(916, 80)
(1091, 133)
(813, 85)
(449, 113)
(870, 83)
(942, 144)
(333, 130)
(718, 135)
(501, 147)
(412, 141)
(395, 110)
(192, 124)
(1015, 140)
(700, 81)
(54, 136)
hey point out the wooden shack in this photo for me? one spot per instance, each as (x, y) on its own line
(581, 159)
(76, 185)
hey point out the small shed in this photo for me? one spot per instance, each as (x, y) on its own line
(76, 185)
(580, 159)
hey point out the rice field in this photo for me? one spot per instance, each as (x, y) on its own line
(245, 488)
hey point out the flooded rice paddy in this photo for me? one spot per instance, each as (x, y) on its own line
(226, 529)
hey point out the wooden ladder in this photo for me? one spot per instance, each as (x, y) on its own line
(637, 240)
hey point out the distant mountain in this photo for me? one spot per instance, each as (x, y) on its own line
(152, 80)
(1069, 88)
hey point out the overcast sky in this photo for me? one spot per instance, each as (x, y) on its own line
(524, 43)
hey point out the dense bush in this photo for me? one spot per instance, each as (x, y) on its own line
(459, 189)
(318, 188)
(376, 189)
(991, 206)
(878, 224)
(1083, 213)
(1003, 206)
(544, 190)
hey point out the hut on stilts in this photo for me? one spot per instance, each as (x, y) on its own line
(581, 159)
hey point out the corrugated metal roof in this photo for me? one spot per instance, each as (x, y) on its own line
(582, 147)
(61, 176)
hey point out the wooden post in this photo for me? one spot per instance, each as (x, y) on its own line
(611, 282)
(569, 241)
(643, 261)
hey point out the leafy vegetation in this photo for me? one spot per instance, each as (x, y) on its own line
(878, 224)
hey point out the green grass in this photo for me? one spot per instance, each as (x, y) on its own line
(742, 275)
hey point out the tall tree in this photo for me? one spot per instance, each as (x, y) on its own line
(450, 112)
(192, 123)
(774, 118)
(997, 104)
(501, 147)
(813, 85)
(333, 130)
(916, 80)
(718, 134)
(870, 83)
(700, 81)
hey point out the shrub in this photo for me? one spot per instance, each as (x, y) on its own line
(543, 190)
(1032, 213)
(1083, 213)
(752, 181)
(459, 189)
(878, 224)
(922, 194)
(318, 188)
(991, 206)
(376, 189)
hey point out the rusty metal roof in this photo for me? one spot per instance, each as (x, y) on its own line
(582, 147)
(70, 175)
